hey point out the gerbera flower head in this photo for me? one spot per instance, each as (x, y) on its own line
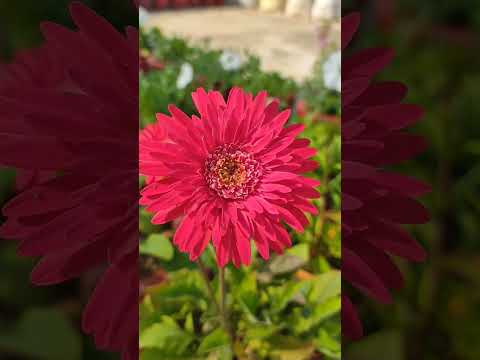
(233, 174)
(69, 110)
(375, 202)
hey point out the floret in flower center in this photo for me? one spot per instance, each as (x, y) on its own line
(231, 172)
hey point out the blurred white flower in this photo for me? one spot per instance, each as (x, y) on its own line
(326, 9)
(230, 60)
(185, 77)
(143, 15)
(332, 72)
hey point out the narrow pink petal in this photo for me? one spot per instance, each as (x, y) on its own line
(184, 230)
(268, 187)
(200, 246)
(243, 246)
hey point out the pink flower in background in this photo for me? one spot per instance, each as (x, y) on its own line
(68, 119)
(154, 134)
(375, 202)
(232, 174)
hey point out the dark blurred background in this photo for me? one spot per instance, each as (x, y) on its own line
(437, 44)
(43, 322)
(20, 20)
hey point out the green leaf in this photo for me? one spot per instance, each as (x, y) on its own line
(301, 251)
(43, 334)
(286, 264)
(328, 345)
(189, 324)
(304, 320)
(261, 331)
(214, 341)
(184, 292)
(246, 293)
(325, 286)
(166, 336)
(224, 353)
(280, 296)
(303, 353)
(291, 348)
(383, 345)
(157, 245)
(155, 354)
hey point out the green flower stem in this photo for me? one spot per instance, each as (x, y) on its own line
(223, 313)
(211, 293)
(223, 304)
(221, 307)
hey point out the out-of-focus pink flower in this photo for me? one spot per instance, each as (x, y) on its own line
(70, 109)
(232, 174)
(375, 203)
(153, 134)
(148, 63)
(301, 108)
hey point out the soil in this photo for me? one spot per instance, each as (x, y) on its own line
(289, 45)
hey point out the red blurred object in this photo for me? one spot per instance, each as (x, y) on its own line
(147, 4)
(73, 91)
(162, 4)
(385, 13)
(178, 4)
(329, 118)
(149, 63)
(376, 203)
(301, 108)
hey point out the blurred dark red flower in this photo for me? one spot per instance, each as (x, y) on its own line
(149, 63)
(375, 202)
(69, 125)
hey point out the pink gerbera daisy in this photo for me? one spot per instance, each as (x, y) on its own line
(375, 201)
(234, 174)
(68, 113)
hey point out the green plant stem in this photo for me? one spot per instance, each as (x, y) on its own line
(223, 301)
(221, 307)
(221, 277)
(211, 293)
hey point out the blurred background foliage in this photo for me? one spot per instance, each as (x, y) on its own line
(437, 43)
(42, 323)
(20, 20)
(286, 308)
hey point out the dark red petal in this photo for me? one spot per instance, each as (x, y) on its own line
(396, 116)
(379, 262)
(398, 209)
(382, 93)
(401, 183)
(357, 272)
(351, 325)
(352, 88)
(394, 240)
(366, 63)
(350, 24)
